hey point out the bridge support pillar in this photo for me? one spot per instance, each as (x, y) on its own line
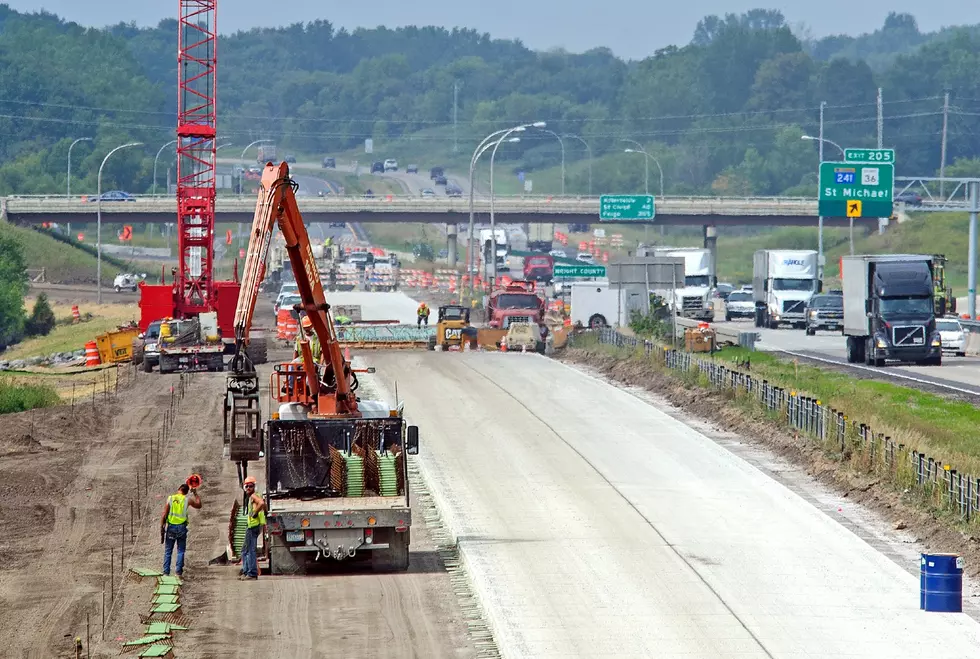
(711, 243)
(451, 231)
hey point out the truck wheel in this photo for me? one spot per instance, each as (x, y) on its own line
(282, 561)
(257, 351)
(597, 321)
(810, 331)
(147, 365)
(116, 288)
(395, 558)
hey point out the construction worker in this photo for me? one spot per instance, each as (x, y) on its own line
(310, 336)
(173, 525)
(423, 314)
(255, 510)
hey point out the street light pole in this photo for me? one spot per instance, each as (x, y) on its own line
(493, 232)
(589, 150)
(98, 230)
(68, 190)
(477, 152)
(241, 174)
(562, 144)
(155, 164)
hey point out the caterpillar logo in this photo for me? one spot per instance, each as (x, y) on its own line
(453, 334)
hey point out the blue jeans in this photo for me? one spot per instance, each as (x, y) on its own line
(176, 534)
(250, 567)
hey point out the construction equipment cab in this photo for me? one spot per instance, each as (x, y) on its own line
(516, 302)
(453, 328)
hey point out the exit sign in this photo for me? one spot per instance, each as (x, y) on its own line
(869, 155)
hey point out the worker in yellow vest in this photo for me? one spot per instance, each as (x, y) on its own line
(173, 525)
(255, 513)
(423, 314)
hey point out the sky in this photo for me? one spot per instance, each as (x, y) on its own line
(632, 29)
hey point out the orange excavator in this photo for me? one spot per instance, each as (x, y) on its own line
(335, 465)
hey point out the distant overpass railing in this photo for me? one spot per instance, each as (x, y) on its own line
(578, 206)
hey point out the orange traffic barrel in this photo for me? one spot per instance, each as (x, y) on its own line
(76, 316)
(92, 354)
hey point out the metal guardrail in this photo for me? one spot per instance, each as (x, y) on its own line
(694, 206)
(723, 333)
(937, 481)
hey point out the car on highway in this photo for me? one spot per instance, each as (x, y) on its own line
(329, 163)
(739, 305)
(288, 288)
(428, 193)
(440, 180)
(824, 311)
(290, 158)
(378, 167)
(952, 335)
(723, 290)
(585, 257)
(391, 165)
(910, 198)
(412, 169)
(453, 190)
(558, 254)
(436, 172)
(114, 195)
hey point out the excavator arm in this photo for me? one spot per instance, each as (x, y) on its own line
(334, 386)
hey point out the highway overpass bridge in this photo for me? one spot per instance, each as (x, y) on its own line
(699, 211)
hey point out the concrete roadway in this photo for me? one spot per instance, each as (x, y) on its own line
(957, 371)
(594, 524)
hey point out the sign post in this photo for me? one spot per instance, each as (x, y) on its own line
(843, 183)
(576, 271)
(626, 208)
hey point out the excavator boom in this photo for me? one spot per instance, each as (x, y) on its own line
(332, 388)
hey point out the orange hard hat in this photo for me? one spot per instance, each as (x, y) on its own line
(307, 323)
(249, 480)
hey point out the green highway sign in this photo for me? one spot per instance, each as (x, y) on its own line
(869, 184)
(626, 207)
(869, 155)
(577, 271)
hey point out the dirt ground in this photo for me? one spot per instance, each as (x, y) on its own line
(66, 482)
(934, 534)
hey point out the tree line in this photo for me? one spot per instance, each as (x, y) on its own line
(722, 114)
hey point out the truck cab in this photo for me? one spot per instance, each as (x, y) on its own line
(515, 303)
(889, 311)
(783, 281)
(539, 268)
(693, 298)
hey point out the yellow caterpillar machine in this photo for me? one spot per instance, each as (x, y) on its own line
(453, 329)
(943, 294)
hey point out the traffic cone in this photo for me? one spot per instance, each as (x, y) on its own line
(503, 345)
(523, 349)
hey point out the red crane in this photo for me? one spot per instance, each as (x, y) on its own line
(193, 289)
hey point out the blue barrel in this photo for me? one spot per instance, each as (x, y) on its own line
(941, 583)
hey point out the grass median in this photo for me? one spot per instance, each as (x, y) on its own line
(66, 337)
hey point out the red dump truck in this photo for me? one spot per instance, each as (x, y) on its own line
(539, 268)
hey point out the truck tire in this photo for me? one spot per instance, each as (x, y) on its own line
(597, 321)
(810, 331)
(147, 365)
(395, 558)
(257, 351)
(285, 562)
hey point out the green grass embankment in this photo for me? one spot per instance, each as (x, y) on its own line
(17, 397)
(63, 261)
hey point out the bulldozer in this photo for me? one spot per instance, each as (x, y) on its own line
(453, 329)
(942, 294)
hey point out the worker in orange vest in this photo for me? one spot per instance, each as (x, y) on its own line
(423, 314)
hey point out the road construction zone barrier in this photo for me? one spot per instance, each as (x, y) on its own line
(92, 354)
(286, 326)
(76, 316)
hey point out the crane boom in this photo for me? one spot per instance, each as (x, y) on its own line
(333, 388)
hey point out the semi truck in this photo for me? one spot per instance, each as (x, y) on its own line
(693, 298)
(539, 268)
(495, 240)
(889, 313)
(783, 281)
